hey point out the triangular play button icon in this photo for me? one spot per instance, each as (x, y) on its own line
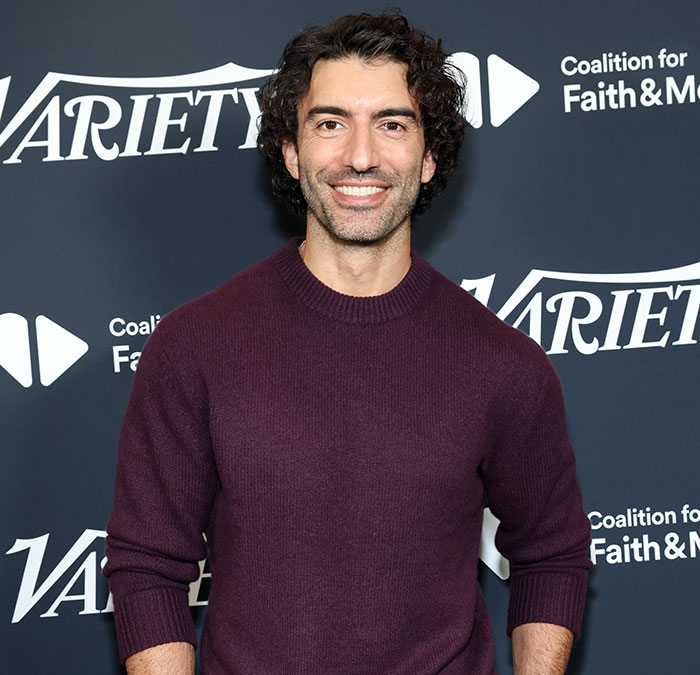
(58, 349)
(14, 348)
(509, 89)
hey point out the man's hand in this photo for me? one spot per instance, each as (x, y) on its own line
(173, 658)
(541, 649)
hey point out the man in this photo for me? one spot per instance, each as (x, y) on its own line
(334, 417)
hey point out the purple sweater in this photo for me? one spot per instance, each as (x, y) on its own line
(337, 452)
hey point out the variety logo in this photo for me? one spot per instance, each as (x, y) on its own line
(57, 349)
(590, 313)
(79, 559)
(109, 124)
(133, 116)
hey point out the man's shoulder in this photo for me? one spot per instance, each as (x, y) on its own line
(236, 300)
(477, 327)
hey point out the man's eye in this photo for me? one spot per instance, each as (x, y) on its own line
(329, 125)
(393, 126)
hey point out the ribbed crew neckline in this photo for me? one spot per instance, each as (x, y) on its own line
(313, 293)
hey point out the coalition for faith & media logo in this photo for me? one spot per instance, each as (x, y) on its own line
(76, 117)
(588, 313)
(625, 81)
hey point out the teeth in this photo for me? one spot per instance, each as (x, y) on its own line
(358, 191)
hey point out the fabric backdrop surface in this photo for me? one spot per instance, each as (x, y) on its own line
(130, 184)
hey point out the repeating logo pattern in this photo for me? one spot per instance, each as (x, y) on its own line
(119, 117)
(85, 558)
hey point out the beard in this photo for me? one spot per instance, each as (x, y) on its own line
(360, 224)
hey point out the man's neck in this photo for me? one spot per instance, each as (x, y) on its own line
(357, 269)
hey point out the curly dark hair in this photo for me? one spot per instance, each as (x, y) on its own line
(437, 86)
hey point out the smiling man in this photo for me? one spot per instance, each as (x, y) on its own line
(335, 417)
(360, 158)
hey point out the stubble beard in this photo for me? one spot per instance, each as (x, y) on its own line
(359, 224)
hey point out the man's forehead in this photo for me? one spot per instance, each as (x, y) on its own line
(358, 81)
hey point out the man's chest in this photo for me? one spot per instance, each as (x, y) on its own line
(350, 428)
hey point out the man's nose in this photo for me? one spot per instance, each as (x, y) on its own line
(360, 150)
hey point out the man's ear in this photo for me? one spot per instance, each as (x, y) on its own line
(429, 166)
(291, 157)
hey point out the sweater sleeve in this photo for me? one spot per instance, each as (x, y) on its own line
(165, 486)
(531, 487)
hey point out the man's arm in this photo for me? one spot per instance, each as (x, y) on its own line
(165, 486)
(530, 480)
(541, 649)
(173, 658)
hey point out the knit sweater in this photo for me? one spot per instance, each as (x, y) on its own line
(337, 452)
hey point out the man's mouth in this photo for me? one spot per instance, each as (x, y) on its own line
(358, 190)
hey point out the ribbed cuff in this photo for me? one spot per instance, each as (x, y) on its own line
(547, 597)
(149, 618)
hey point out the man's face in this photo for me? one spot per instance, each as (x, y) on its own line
(360, 154)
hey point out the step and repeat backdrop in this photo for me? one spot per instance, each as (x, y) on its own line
(130, 183)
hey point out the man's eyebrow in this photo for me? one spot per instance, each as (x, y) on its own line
(396, 112)
(341, 112)
(327, 110)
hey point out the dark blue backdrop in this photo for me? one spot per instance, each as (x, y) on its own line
(99, 239)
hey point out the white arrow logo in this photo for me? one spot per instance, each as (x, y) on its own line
(488, 552)
(471, 105)
(58, 349)
(14, 348)
(509, 88)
